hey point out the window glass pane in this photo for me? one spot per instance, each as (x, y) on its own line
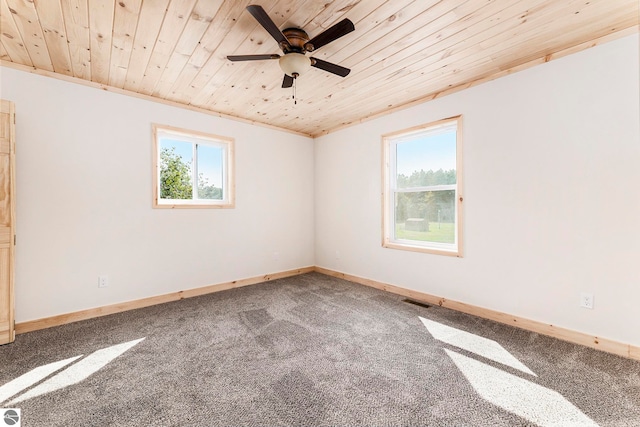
(210, 172)
(176, 160)
(428, 159)
(426, 216)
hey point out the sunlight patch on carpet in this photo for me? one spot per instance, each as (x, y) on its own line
(32, 377)
(524, 398)
(70, 376)
(481, 346)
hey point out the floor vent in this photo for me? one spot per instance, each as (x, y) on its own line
(421, 304)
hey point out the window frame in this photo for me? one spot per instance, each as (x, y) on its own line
(195, 137)
(389, 190)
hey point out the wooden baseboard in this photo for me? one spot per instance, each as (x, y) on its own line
(48, 322)
(599, 343)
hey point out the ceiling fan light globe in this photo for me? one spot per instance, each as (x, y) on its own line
(294, 63)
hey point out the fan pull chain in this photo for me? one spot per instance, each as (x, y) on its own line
(295, 79)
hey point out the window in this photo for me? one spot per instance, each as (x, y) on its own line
(422, 188)
(191, 169)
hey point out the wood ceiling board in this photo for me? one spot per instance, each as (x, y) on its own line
(402, 51)
(11, 38)
(25, 17)
(236, 22)
(185, 87)
(55, 34)
(125, 23)
(499, 56)
(360, 44)
(174, 23)
(4, 56)
(76, 22)
(200, 20)
(438, 50)
(101, 14)
(149, 24)
(411, 39)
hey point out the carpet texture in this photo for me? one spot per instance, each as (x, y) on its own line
(310, 350)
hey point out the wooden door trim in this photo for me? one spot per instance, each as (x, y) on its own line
(7, 232)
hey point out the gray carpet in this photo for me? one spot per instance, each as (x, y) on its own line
(312, 350)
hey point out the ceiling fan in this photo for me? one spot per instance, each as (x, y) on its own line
(295, 43)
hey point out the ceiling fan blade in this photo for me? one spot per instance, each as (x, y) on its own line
(263, 19)
(287, 81)
(330, 34)
(328, 66)
(236, 58)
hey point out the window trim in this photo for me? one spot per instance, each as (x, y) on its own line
(387, 192)
(228, 170)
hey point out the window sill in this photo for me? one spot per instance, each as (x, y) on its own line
(194, 205)
(416, 248)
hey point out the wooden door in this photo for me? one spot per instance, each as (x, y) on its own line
(7, 219)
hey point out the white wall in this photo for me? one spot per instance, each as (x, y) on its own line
(84, 201)
(552, 195)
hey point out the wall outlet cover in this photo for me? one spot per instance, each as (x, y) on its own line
(586, 300)
(103, 281)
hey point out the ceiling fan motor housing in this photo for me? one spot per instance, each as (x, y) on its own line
(298, 40)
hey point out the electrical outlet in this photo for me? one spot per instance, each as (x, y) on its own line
(586, 300)
(103, 281)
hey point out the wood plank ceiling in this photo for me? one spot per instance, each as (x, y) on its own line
(401, 52)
